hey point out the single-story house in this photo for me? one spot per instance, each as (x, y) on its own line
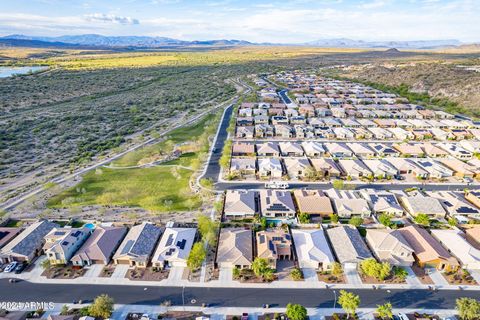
(313, 149)
(174, 247)
(100, 246)
(313, 202)
(383, 202)
(277, 204)
(455, 204)
(240, 204)
(297, 168)
(137, 247)
(427, 251)
(361, 150)
(456, 244)
(380, 168)
(28, 244)
(268, 149)
(235, 248)
(270, 167)
(407, 166)
(243, 166)
(390, 246)
(7, 234)
(326, 167)
(348, 245)
(312, 249)
(416, 205)
(243, 149)
(473, 236)
(354, 168)
(338, 150)
(409, 150)
(290, 149)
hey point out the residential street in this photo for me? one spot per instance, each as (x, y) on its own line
(225, 297)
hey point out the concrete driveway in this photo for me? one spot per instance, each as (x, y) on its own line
(437, 277)
(120, 271)
(93, 271)
(225, 275)
(412, 277)
(310, 274)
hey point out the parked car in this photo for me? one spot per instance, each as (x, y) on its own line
(276, 185)
(244, 316)
(20, 268)
(11, 267)
(402, 316)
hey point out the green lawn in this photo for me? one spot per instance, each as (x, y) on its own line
(177, 136)
(158, 189)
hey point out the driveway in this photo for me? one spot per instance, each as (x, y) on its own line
(284, 267)
(437, 277)
(412, 278)
(94, 270)
(176, 274)
(225, 276)
(351, 273)
(310, 274)
(120, 271)
(475, 275)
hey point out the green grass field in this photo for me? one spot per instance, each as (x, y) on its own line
(158, 189)
(163, 188)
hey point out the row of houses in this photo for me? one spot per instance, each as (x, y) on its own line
(285, 205)
(307, 169)
(283, 128)
(319, 248)
(138, 246)
(314, 149)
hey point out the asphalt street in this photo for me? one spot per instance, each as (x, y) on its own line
(225, 297)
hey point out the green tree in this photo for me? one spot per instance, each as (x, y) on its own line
(236, 273)
(207, 228)
(385, 219)
(102, 307)
(296, 312)
(349, 302)
(385, 310)
(197, 256)
(304, 217)
(334, 218)
(452, 222)
(296, 274)
(337, 269)
(372, 268)
(64, 310)
(422, 219)
(338, 184)
(262, 269)
(468, 308)
(356, 221)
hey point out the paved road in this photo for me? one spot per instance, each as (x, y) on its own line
(213, 167)
(225, 297)
(326, 185)
(285, 98)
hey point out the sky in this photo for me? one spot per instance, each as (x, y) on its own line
(287, 21)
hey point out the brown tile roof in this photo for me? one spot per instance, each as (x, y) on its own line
(313, 202)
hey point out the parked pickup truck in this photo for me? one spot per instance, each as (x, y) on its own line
(276, 185)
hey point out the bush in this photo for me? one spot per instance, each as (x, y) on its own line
(356, 221)
(378, 270)
(296, 274)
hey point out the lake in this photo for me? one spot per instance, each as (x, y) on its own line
(9, 71)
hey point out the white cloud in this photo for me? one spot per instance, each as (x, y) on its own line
(111, 18)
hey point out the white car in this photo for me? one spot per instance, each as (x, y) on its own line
(402, 316)
(11, 267)
(276, 185)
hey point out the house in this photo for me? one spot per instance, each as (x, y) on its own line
(337, 150)
(362, 133)
(416, 205)
(326, 167)
(455, 204)
(472, 146)
(401, 134)
(456, 150)
(268, 149)
(435, 169)
(390, 246)
(174, 247)
(473, 236)
(261, 119)
(99, 247)
(409, 150)
(297, 168)
(244, 121)
(380, 168)
(312, 249)
(7, 234)
(460, 169)
(240, 204)
(427, 251)
(473, 197)
(342, 133)
(245, 132)
(348, 245)
(361, 150)
(28, 244)
(433, 151)
(313, 149)
(382, 202)
(346, 208)
(354, 168)
(313, 202)
(264, 131)
(380, 133)
(276, 120)
(137, 247)
(290, 149)
(384, 150)
(243, 166)
(440, 134)
(283, 131)
(235, 248)
(270, 167)
(273, 245)
(243, 149)
(277, 204)
(456, 244)
(407, 166)
(61, 243)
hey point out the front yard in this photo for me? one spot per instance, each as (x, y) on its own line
(147, 274)
(63, 272)
(460, 277)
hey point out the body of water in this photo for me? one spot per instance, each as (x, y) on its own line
(9, 71)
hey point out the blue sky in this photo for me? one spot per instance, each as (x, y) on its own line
(259, 21)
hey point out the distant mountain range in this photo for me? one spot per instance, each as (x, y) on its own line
(95, 40)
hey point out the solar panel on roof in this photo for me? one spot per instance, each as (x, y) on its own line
(466, 209)
(65, 243)
(128, 246)
(76, 233)
(181, 244)
(59, 233)
(261, 238)
(169, 240)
